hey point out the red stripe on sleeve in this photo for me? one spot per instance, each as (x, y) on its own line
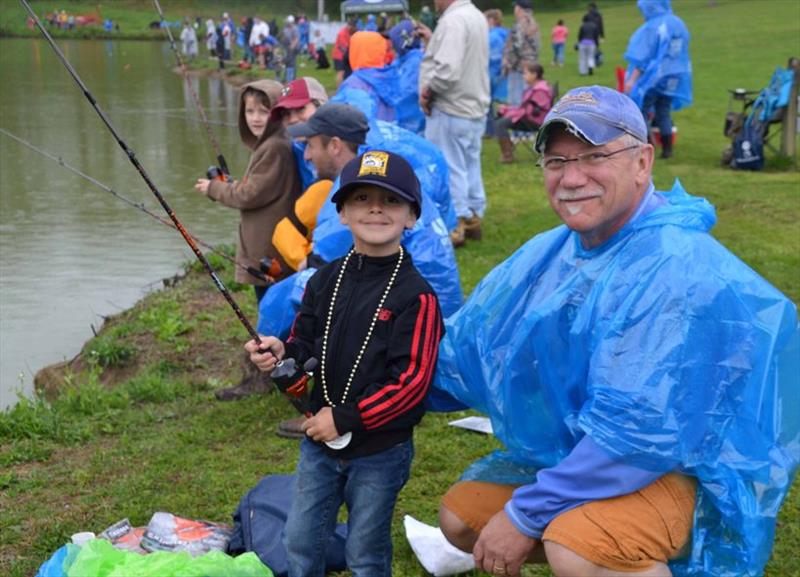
(416, 378)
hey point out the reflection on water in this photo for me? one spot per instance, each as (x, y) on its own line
(71, 253)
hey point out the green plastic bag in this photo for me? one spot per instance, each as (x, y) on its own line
(98, 558)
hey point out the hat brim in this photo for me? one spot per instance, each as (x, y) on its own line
(301, 129)
(593, 132)
(289, 104)
(340, 195)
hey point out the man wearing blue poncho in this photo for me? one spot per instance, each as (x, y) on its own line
(639, 374)
(659, 77)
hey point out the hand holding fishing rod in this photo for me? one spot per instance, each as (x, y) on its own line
(132, 157)
(222, 172)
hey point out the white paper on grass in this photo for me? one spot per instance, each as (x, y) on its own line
(480, 424)
(434, 551)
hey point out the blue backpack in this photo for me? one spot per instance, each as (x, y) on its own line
(748, 147)
(258, 526)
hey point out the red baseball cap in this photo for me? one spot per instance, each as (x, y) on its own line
(297, 94)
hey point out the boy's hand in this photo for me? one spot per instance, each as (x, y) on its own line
(321, 427)
(202, 185)
(267, 354)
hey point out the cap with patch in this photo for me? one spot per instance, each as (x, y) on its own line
(385, 169)
(297, 94)
(595, 114)
(334, 119)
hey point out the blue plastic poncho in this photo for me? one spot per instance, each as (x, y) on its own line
(306, 169)
(660, 49)
(660, 344)
(391, 93)
(499, 83)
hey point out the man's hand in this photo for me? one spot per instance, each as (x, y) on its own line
(321, 427)
(423, 31)
(425, 97)
(501, 549)
(267, 354)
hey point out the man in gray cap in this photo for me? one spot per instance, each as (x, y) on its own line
(623, 359)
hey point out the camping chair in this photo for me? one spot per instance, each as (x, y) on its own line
(771, 113)
(527, 138)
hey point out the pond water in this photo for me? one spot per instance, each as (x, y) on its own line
(71, 253)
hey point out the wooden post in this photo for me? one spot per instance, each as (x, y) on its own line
(790, 128)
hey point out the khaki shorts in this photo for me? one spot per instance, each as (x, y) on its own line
(627, 533)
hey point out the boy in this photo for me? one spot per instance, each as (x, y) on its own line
(374, 325)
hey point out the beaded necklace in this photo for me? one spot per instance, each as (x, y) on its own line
(369, 332)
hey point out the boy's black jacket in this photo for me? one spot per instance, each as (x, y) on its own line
(386, 396)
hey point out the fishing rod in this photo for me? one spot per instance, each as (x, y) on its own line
(138, 205)
(220, 159)
(132, 157)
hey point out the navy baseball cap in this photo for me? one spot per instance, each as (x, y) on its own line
(385, 169)
(596, 115)
(334, 119)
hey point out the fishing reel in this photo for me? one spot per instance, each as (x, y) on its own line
(292, 381)
(216, 173)
(270, 267)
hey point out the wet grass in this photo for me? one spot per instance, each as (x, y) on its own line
(134, 427)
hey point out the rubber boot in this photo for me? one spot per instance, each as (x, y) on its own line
(506, 150)
(666, 146)
(253, 382)
(291, 428)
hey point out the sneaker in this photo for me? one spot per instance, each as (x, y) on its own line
(291, 428)
(457, 236)
(472, 227)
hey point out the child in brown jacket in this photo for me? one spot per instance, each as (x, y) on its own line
(269, 187)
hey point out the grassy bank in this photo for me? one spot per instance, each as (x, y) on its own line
(131, 426)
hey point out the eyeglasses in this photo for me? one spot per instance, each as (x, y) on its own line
(585, 160)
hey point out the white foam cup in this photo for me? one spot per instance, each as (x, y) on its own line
(82, 538)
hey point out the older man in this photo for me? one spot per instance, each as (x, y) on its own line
(638, 373)
(454, 92)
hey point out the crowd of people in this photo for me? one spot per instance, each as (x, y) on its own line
(634, 368)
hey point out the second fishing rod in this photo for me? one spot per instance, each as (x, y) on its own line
(223, 173)
(132, 157)
(137, 205)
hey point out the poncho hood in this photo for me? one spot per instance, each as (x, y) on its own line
(654, 8)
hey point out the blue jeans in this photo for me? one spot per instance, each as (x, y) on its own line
(459, 139)
(558, 53)
(368, 486)
(662, 106)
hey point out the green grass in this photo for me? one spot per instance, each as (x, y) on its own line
(152, 437)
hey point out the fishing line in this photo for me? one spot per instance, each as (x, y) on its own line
(132, 157)
(138, 205)
(220, 159)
